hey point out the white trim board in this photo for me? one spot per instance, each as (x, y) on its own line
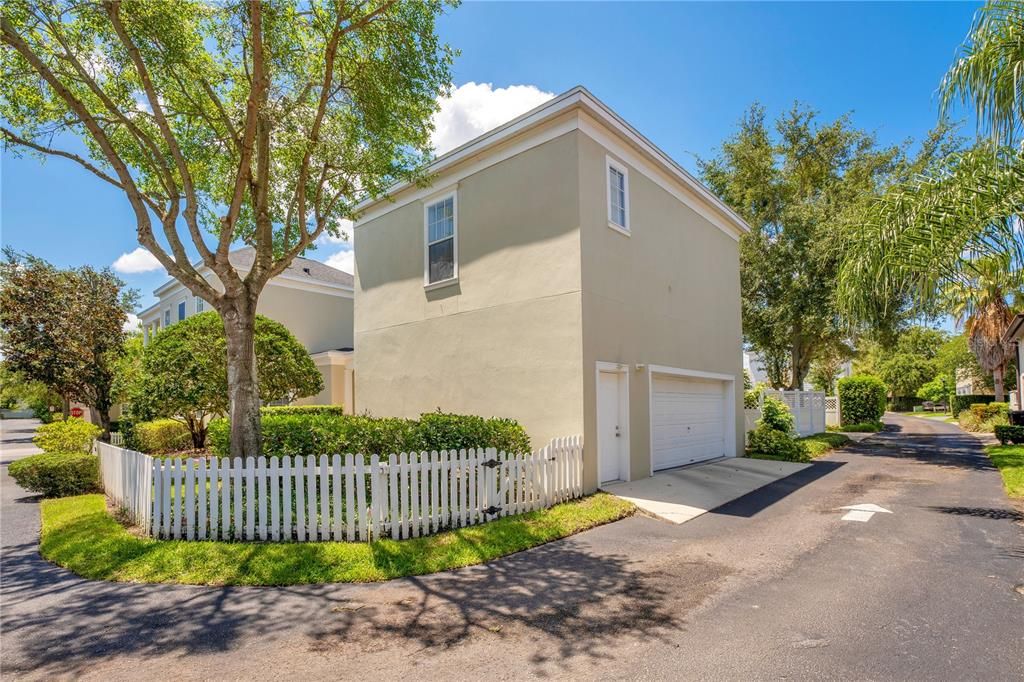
(589, 115)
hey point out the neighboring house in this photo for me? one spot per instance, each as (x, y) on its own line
(1015, 335)
(966, 384)
(562, 271)
(754, 364)
(311, 299)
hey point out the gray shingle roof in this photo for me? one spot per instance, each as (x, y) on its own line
(301, 267)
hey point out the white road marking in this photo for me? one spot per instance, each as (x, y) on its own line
(863, 512)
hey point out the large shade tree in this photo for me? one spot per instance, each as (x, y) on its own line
(253, 122)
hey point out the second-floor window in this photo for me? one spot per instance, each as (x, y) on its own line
(200, 305)
(167, 317)
(441, 257)
(181, 311)
(618, 196)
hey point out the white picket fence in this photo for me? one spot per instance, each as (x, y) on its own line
(337, 498)
(808, 408)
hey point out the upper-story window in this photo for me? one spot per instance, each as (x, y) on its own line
(167, 317)
(200, 305)
(440, 261)
(618, 195)
(181, 311)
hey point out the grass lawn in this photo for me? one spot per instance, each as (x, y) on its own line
(863, 427)
(79, 534)
(1010, 461)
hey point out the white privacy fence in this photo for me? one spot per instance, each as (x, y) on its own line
(832, 410)
(808, 408)
(337, 498)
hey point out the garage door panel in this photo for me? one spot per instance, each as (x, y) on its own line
(688, 421)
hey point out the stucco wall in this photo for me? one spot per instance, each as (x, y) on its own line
(668, 294)
(319, 321)
(506, 339)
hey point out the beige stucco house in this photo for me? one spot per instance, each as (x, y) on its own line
(1014, 336)
(563, 271)
(313, 300)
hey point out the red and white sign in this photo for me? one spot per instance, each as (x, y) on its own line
(77, 411)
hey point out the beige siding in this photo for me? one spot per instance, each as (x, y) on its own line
(666, 295)
(319, 321)
(506, 339)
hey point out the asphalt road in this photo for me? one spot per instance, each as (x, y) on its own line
(774, 585)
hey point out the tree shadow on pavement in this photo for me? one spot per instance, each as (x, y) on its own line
(982, 512)
(948, 450)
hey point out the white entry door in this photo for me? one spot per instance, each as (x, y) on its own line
(611, 425)
(687, 421)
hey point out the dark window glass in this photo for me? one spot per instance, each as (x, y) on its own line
(442, 260)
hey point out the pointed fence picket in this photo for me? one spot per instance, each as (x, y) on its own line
(350, 497)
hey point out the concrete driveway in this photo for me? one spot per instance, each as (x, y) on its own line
(770, 585)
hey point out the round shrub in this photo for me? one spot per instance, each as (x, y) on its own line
(58, 474)
(161, 437)
(776, 415)
(775, 444)
(861, 399)
(73, 435)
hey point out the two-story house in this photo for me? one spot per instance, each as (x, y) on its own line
(313, 300)
(563, 271)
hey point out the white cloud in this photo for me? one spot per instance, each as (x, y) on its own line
(330, 240)
(343, 260)
(132, 323)
(139, 260)
(474, 108)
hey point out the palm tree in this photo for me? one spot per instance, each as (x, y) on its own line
(983, 304)
(990, 71)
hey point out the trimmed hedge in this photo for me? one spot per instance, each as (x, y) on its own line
(315, 434)
(959, 403)
(303, 409)
(161, 437)
(58, 474)
(985, 411)
(861, 399)
(769, 443)
(905, 403)
(1010, 434)
(73, 435)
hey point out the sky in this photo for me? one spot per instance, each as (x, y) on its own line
(681, 73)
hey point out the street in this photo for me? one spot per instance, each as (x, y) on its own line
(773, 585)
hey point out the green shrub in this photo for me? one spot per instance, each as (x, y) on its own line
(58, 474)
(303, 409)
(959, 403)
(982, 421)
(1010, 434)
(315, 434)
(775, 415)
(865, 427)
(769, 443)
(861, 399)
(986, 411)
(161, 437)
(73, 435)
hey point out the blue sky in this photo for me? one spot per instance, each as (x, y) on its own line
(681, 73)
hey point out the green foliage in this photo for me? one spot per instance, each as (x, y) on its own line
(184, 370)
(16, 392)
(905, 363)
(938, 389)
(315, 434)
(73, 435)
(775, 414)
(1010, 434)
(861, 399)
(959, 403)
(863, 427)
(303, 409)
(984, 417)
(57, 474)
(161, 437)
(63, 328)
(792, 181)
(985, 411)
(822, 443)
(768, 443)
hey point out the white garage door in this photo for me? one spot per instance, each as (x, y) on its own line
(688, 421)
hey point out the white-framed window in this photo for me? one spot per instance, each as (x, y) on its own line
(167, 317)
(440, 232)
(181, 310)
(200, 305)
(617, 183)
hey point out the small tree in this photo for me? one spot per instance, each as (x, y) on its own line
(63, 328)
(184, 371)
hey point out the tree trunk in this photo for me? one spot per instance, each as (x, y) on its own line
(243, 389)
(65, 408)
(997, 380)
